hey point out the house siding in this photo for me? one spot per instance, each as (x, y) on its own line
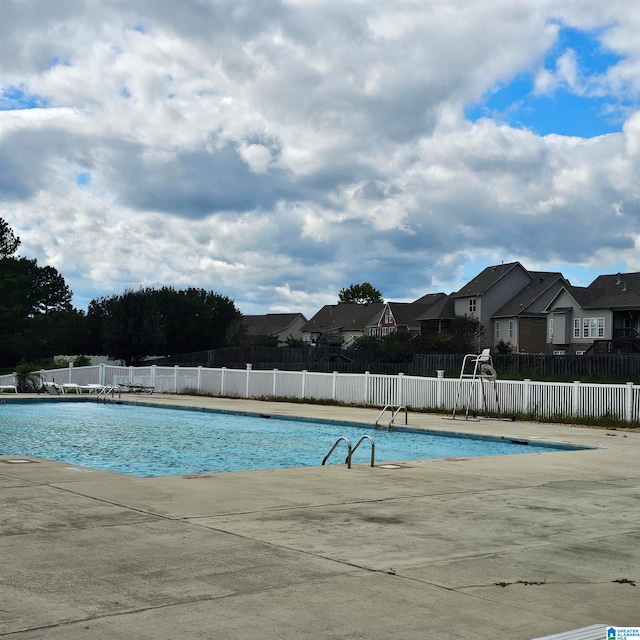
(493, 299)
(531, 333)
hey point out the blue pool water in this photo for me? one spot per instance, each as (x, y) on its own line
(153, 441)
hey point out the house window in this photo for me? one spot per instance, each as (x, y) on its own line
(497, 329)
(550, 325)
(592, 328)
(576, 327)
(472, 305)
(510, 328)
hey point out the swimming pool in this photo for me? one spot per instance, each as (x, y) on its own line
(149, 441)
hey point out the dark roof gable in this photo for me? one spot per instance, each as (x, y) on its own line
(618, 291)
(270, 323)
(518, 305)
(486, 279)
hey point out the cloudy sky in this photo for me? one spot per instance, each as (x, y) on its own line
(275, 151)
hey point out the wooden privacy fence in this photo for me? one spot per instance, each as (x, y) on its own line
(535, 399)
(517, 366)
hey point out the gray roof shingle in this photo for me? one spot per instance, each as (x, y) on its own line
(485, 280)
(344, 317)
(270, 323)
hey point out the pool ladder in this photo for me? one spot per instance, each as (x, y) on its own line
(395, 410)
(352, 449)
(109, 389)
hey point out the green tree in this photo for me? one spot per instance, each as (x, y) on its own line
(33, 300)
(9, 242)
(364, 293)
(466, 333)
(147, 322)
(132, 329)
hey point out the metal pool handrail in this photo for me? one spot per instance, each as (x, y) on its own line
(395, 410)
(352, 449)
(335, 444)
(109, 389)
(373, 448)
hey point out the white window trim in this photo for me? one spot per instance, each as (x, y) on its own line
(592, 327)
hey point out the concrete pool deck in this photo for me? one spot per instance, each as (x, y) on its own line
(495, 547)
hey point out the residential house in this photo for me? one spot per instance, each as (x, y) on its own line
(521, 323)
(509, 302)
(489, 291)
(603, 317)
(401, 316)
(348, 321)
(274, 325)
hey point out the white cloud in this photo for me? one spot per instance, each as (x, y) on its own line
(278, 151)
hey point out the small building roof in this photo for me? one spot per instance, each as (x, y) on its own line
(343, 317)
(443, 309)
(406, 313)
(618, 291)
(270, 323)
(431, 298)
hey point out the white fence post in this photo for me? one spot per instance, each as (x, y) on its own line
(102, 374)
(304, 384)
(274, 389)
(526, 395)
(400, 392)
(222, 372)
(199, 379)
(334, 389)
(628, 405)
(154, 375)
(440, 388)
(175, 378)
(575, 398)
(248, 385)
(367, 387)
(70, 372)
(131, 372)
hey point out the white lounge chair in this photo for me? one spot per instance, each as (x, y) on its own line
(92, 388)
(8, 387)
(71, 386)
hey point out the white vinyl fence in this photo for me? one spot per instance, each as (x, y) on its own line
(541, 400)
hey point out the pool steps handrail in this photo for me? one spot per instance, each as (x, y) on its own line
(109, 389)
(335, 444)
(373, 448)
(352, 449)
(395, 410)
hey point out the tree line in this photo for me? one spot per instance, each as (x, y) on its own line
(38, 320)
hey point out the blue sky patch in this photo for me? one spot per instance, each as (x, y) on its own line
(563, 111)
(56, 61)
(83, 179)
(14, 98)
